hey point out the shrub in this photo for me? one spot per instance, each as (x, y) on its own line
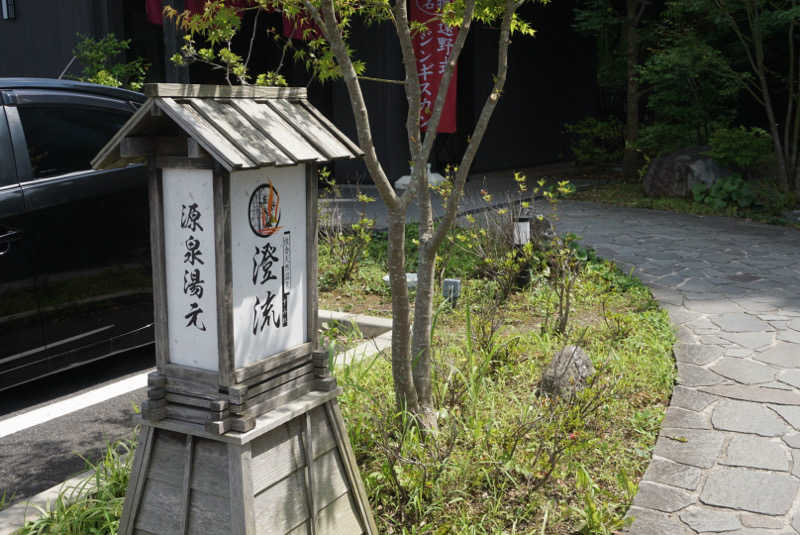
(100, 65)
(691, 86)
(663, 138)
(731, 193)
(742, 148)
(597, 141)
(347, 244)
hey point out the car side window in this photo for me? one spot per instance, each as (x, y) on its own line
(65, 139)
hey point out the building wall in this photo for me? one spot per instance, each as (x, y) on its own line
(551, 78)
(39, 41)
(551, 81)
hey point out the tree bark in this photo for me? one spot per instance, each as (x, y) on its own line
(405, 390)
(630, 159)
(421, 356)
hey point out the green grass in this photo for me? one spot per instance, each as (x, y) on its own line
(94, 506)
(632, 195)
(474, 476)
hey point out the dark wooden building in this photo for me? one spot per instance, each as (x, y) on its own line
(551, 78)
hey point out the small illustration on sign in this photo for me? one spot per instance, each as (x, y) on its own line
(264, 210)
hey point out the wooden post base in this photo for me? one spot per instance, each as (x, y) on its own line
(259, 482)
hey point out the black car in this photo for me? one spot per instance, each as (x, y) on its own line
(74, 256)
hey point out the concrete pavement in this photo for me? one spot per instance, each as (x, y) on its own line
(727, 459)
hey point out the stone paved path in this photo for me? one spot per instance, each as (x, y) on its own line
(727, 459)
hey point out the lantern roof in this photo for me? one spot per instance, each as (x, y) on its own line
(240, 127)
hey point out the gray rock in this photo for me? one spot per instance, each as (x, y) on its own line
(739, 322)
(750, 340)
(675, 174)
(744, 371)
(679, 315)
(790, 413)
(694, 447)
(757, 452)
(788, 336)
(752, 520)
(738, 353)
(649, 522)
(777, 385)
(689, 398)
(669, 473)
(705, 519)
(567, 372)
(696, 354)
(792, 440)
(743, 417)
(754, 491)
(782, 354)
(755, 393)
(685, 419)
(790, 377)
(661, 497)
(709, 306)
(690, 375)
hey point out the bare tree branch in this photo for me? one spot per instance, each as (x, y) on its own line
(252, 39)
(328, 24)
(480, 127)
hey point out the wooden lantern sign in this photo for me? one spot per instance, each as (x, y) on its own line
(241, 430)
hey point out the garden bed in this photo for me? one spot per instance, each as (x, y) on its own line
(505, 458)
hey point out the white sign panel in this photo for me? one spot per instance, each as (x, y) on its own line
(191, 268)
(268, 249)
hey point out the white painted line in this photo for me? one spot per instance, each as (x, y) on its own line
(15, 424)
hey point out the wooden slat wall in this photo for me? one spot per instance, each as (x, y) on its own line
(157, 255)
(337, 518)
(158, 507)
(205, 134)
(355, 149)
(138, 478)
(279, 469)
(258, 369)
(309, 128)
(210, 91)
(210, 468)
(209, 514)
(276, 129)
(240, 132)
(224, 273)
(312, 246)
(280, 453)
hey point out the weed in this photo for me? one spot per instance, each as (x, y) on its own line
(94, 506)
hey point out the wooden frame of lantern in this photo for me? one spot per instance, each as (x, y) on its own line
(232, 397)
(241, 421)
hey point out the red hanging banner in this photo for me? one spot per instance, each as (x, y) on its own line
(432, 48)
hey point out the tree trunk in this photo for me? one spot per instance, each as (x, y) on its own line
(404, 389)
(784, 180)
(423, 307)
(631, 160)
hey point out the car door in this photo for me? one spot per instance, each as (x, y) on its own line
(20, 324)
(89, 229)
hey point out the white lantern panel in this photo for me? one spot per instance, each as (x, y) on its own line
(190, 267)
(268, 253)
(522, 232)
